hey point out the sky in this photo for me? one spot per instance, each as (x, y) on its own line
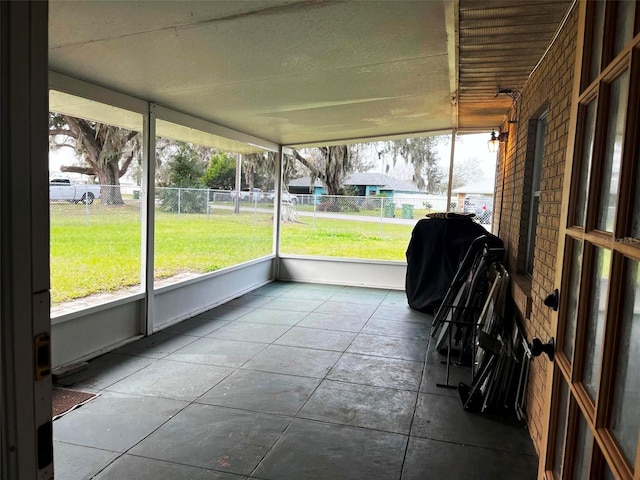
(470, 146)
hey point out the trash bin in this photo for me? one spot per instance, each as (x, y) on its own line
(390, 210)
(136, 194)
(407, 210)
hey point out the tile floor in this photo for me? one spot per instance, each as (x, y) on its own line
(293, 381)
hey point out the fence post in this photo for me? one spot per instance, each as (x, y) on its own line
(179, 199)
(207, 200)
(382, 199)
(314, 211)
(86, 205)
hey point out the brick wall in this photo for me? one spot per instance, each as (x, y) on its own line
(549, 87)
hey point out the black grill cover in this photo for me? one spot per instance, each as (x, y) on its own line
(436, 248)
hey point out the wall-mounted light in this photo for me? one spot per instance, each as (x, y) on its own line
(496, 140)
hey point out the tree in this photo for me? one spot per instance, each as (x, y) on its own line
(107, 150)
(183, 191)
(420, 152)
(221, 172)
(467, 171)
(331, 166)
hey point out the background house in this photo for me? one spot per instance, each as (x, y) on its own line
(365, 184)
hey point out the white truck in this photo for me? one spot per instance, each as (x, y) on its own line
(62, 189)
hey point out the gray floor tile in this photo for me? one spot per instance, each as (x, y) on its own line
(318, 287)
(250, 332)
(330, 321)
(168, 379)
(225, 312)
(104, 371)
(75, 462)
(346, 308)
(275, 289)
(375, 326)
(377, 371)
(158, 345)
(393, 347)
(439, 417)
(250, 300)
(318, 451)
(309, 294)
(358, 298)
(316, 338)
(138, 468)
(395, 298)
(380, 292)
(275, 317)
(401, 314)
(213, 437)
(361, 406)
(428, 459)
(262, 392)
(197, 326)
(437, 374)
(295, 305)
(437, 358)
(293, 361)
(115, 421)
(216, 351)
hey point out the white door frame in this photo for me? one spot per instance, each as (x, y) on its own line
(26, 439)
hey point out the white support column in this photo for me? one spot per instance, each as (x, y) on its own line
(148, 216)
(25, 326)
(453, 153)
(236, 200)
(277, 210)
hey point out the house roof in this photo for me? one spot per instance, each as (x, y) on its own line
(485, 187)
(384, 182)
(306, 72)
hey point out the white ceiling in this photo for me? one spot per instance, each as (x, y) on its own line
(291, 72)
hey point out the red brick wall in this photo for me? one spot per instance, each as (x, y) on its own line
(550, 86)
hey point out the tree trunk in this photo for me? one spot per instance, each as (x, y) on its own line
(110, 193)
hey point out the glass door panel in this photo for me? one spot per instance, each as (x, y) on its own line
(625, 15)
(571, 314)
(583, 448)
(585, 162)
(613, 152)
(634, 230)
(561, 433)
(597, 12)
(595, 320)
(625, 412)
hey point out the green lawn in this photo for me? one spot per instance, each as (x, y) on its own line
(101, 252)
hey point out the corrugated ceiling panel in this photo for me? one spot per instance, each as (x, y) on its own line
(500, 43)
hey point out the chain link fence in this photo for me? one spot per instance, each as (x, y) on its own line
(89, 202)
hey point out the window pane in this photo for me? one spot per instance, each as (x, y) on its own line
(608, 475)
(625, 15)
(202, 223)
(595, 320)
(585, 162)
(363, 200)
(541, 132)
(583, 449)
(613, 153)
(569, 334)
(95, 215)
(625, 414)
(561, 432)
(596, 38)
